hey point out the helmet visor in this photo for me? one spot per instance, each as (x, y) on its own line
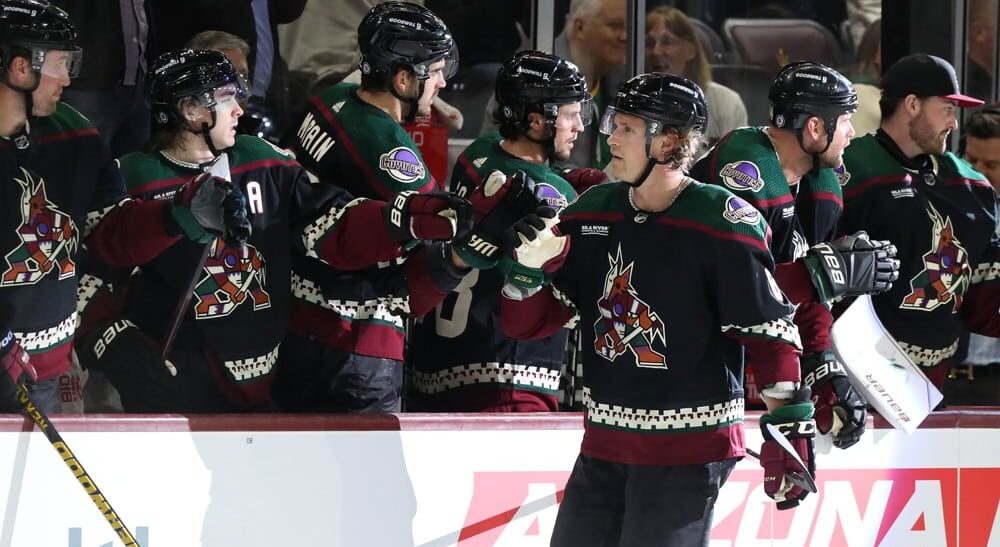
(235, 92)
(60, 63)
(569, 114)
(447, 69)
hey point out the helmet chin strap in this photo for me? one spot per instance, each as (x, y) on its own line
(651, 163)
(412, 102)
(206, 134)
(548, 143)
(814, 171)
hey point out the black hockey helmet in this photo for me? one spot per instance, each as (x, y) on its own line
(195, 75)
(34, 27)
(396, 35)
(190, 74)
(664, 101)
(534, 81)
(805, 89)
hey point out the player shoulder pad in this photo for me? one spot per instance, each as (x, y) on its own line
(604, 198)
(746, 164)
(863, 159)
(65, 118)
(953, 166)
(721, 211)
(250, 149)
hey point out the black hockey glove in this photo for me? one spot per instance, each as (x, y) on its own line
(431, 216)
(198, 207)
(499, 202)
(852, 266)
(17, 370)
(840, 409)
(234, 217)
(132, 364)
(794, 421)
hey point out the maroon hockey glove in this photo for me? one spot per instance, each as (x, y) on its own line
(852, 266)
(583, 178)
(499, 202)
(794, 421)
(431, 216)
(198, 209)
(17, 370)
(840, 410)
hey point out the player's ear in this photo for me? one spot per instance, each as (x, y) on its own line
(663, 145)
(401, 79)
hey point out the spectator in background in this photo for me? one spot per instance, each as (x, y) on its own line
(865, 75)
(233, 47)
(672, 47)
(110, 89)
(982, 41)
(982, 151)
(594, 39)
(861, 14)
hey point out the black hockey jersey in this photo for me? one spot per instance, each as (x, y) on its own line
(942, 216)
(62, 189)
(461, 342)
(663, 298)
(240, 304)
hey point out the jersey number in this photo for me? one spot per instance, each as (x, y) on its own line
(452, 315)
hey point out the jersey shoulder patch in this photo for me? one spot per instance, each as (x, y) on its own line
(747, 165)
(720, 210)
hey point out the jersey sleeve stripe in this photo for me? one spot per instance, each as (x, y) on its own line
(156, 185)
(874, 181)
(348, 143)
(962, 181)
(470, 170)
(716, 233)
(66, 135)
(263, 164)
(764, 203)
(823, 196)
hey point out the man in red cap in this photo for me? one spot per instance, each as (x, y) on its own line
(902, 185)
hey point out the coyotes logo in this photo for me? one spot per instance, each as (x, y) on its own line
(626, 321)
(946, 270)
(232, 273)
(48, 237)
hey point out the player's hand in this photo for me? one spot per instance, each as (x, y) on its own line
(840, 410)
(17, 369)
(499, 202)
(852, 266)
(237, 226)
(198, 208)
(539, 250)
(130, 360)
(794, 421)
(583, 178)
(431, 216)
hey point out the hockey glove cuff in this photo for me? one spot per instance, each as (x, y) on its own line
(499, 202)
(539, 251)
(431, 216)
(794, 421)
(840, 410)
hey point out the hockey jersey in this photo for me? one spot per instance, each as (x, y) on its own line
(663, 299)
(799, 216)
(461, 343)
(240, 302)
(62, 190)
(345, 141)
(942, 217)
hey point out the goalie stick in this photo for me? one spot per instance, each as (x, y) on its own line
(74, 465)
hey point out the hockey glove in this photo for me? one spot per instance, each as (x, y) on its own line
(840, 409)
(132, 363)
(431, 216)
(539, 251)
(852, 266)
(794, 421)
(198, 209)
(234, 218)
(583, 178)
(17, 370)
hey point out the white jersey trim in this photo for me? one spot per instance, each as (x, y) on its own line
(650, 419)
(527, 376)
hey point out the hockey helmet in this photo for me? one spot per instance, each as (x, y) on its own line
(396, 35)
(534, 81)
(663, 100)
(805, 89)
(37, 27)
(206, 77)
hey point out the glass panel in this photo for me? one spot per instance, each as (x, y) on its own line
(981, 46)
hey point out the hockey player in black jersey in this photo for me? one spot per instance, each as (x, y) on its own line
(230, 336)
(61, 190)
(902, 183)
(461, 360)
(786, 171)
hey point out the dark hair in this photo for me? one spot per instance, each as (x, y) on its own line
(888, 106)
(378, 81)
(510, 129)
(985, 123)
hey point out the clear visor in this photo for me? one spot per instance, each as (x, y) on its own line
(569, 114)
(59, 63)
(447, 66)
(608, 122)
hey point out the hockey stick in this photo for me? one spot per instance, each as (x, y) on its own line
(803, 480)
(95, 494)
(182, 303)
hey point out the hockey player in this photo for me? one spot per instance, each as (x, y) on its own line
(345, 342)
(62, 190)
(900, 183)
(461, 360)
(786, 171)
(228, 343)
(664, 405)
